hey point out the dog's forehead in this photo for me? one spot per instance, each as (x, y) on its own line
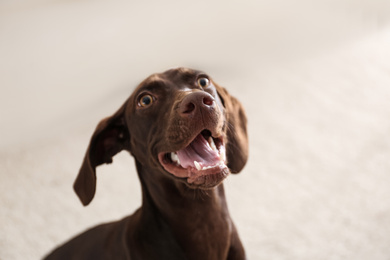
(181, 73)
(177, 78)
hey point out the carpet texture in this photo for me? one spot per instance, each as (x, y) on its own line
(314, 80)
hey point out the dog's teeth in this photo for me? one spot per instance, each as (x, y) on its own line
(175, 158)
(213, 166)
(197, 166)
(212, 144)
(222, 155)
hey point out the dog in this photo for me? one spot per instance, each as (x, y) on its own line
(187, 134)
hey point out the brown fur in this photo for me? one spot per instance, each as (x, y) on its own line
(177, 220)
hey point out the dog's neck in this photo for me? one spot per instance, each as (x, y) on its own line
(195, 217)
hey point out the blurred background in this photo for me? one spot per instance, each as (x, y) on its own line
(314, 77)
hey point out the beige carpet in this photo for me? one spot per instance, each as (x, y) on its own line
(314, 78)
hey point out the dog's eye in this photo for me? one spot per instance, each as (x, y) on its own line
(145, 100)
(203, 82)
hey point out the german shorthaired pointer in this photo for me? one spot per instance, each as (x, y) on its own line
(187, 134)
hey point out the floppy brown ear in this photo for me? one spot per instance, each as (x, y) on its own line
(110, 137)
(237, 143)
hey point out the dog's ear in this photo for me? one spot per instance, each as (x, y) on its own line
(237, 143)
(110, 137)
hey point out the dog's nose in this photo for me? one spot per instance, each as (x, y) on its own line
(196, 101)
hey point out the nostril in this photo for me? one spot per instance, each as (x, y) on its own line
(188, 108)
(195, 102)
(208, 101)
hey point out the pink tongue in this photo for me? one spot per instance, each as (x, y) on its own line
(199, 150)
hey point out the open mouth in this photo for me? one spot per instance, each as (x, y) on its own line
(203, 160)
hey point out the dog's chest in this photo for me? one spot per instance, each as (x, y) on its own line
(205, 237)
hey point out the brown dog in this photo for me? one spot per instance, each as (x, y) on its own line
(186, 134)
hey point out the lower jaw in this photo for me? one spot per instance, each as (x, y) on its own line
(202, 179)
(208, 181)
(205, 179)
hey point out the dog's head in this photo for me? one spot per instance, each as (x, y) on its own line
(179, 124)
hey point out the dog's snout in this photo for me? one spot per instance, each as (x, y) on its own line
(196, 101)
